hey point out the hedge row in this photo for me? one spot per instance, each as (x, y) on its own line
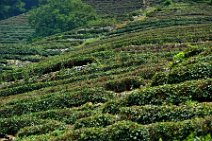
(161, 36)
(12, 125)
(189, 72)
(126, 130)
(190, 66)
(65, 100)
(24, 88)
(40, 129)
(124, 84)
(183, 73)
(69, 116)
(101, 120)
(145, 25)
(197, 90)
(150, 113)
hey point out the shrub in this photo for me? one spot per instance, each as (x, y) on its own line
(199, 90)
(40, 129)
(125, 84)
(189, 72)
(127, 130)
(192, 137)
(149, 113)
(159, 78)
(169, 131)
(183, 73)
(13, 125)
(178, 57)
(23, 88)
(95, 121)
(113, 107)
(69, 116)
(192, 51)
(66, 100)
(86, 134)
(167, 2)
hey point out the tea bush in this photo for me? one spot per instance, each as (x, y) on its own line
(127, 130)
(14, 124)
(124, 84)
(197, 90)
(101, 120)
(150, 114)
(64, 100)
(68, 116)
(40, 129)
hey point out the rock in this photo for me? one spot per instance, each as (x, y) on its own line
(4, 137)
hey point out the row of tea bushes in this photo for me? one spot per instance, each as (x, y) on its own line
(127, 130)
(152, 24)
(197, 90)
(14, 124)
(40, 129)
(183, 73)
(149, 113)
(59, 100)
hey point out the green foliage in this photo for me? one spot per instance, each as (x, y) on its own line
(67, 95)
(198, 90)
(167, 2)
(192, 51)
(15, 7)
(186, 66)
(125, 84)
(68, 116)
(159, 78)
(178, 57)
(14, 124)
(23, 88)
(59, 16)
(112, 107)
(59, 100)
(189, 72)
(126, 130)
(150, 114)
(85, 134)
(40, 129)
(192, 137)
(95, 121)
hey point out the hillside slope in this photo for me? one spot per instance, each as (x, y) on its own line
(15, 29)
(147, 78)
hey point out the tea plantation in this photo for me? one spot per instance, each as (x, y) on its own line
(144, 77)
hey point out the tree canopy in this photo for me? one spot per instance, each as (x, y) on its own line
(61, 15)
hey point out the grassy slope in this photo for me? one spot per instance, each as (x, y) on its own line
(125, 84)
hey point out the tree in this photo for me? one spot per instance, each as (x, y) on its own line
(60, 15)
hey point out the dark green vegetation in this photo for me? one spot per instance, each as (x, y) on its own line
(59, 16)
(15, 7)
(15, 29)
(146, 78)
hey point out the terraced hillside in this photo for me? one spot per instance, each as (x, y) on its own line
(149, 78)
(112, 7)
(15, 29)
